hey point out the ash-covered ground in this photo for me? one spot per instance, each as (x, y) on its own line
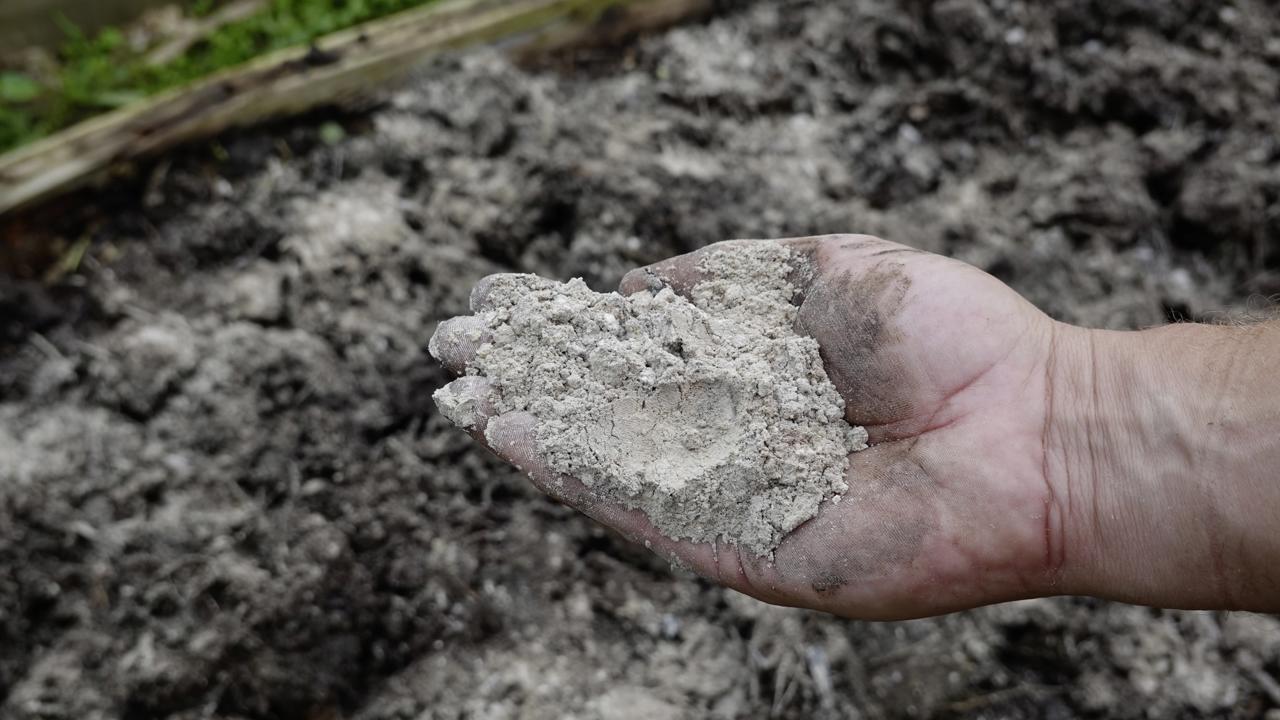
(225, 492)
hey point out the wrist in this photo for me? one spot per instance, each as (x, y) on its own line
(1161, 448)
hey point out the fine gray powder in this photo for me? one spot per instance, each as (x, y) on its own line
(710, 414)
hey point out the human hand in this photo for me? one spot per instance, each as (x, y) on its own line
(947, 368)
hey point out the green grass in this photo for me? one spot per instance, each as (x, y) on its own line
(99, 73)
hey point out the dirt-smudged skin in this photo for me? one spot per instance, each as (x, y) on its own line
(859, 354)
(280, 524)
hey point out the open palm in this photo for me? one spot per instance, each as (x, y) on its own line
(949, 370)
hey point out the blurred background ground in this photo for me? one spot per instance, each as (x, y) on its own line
(225, 492)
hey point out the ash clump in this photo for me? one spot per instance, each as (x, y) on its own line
(710, 414)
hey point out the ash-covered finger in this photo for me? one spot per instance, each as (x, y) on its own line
(480, 293)
(683, 273)
(456, 340)
(513, 437)
(493, 289)
(467, 402)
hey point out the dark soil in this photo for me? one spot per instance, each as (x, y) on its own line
(225, 492)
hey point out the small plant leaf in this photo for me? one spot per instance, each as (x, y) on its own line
(18, 88)
(117, 98)
(331, 133)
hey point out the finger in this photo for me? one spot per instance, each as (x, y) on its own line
(512, 437)
(480, 293)
(489, 287)
(862, 247)
(467, 402)
(680, 273)
(683, 272)
(456, 340)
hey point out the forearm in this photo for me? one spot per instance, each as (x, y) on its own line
(1166, 445)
